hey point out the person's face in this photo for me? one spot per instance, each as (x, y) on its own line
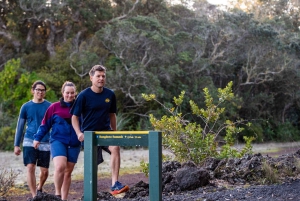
(69, 94)
(39, 92)
(98, 80)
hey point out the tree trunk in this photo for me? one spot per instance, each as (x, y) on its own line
(50, 41)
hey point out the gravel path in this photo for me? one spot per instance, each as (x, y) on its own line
(130, 160)
(276, 192)
(288, 190)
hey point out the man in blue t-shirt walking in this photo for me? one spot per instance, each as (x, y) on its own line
(97, 107)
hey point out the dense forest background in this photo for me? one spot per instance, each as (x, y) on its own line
(154, 46)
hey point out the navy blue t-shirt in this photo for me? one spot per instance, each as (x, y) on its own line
(94, 108)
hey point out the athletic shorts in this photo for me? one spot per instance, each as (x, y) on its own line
(58, 148)
(35, 156)
(99, 153)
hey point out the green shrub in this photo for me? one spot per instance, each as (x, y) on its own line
(7, 135)
(145, 167)
(191, 141)
(286, 132)
(269, 131)
(254, 130)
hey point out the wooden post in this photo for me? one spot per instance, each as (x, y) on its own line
(90, 167)
(155, 158)
(152, 139)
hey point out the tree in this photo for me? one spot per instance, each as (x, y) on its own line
(16, 86)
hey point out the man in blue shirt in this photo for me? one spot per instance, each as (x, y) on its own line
(31, 114)
(97, 107)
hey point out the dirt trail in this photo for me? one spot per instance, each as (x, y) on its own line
(130, 160)
(276, 149)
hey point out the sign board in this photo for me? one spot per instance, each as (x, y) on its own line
(152, 139)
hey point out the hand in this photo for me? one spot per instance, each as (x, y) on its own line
(17, 150)
(80, 137)
(36, 144)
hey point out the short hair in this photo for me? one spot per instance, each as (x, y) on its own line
(97, 68)
(38, 82)
(67, 84)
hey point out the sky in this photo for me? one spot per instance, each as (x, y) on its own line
(223, 2)
(216, 2)
(220, 3)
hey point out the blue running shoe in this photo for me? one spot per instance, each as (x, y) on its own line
(118, 188)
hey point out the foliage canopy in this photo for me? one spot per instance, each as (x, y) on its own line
(156, 47)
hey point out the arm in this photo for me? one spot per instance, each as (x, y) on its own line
(113, 121)
(42, 130)
(76, 126)
(18, 135)
(45, 127)
(36, 144)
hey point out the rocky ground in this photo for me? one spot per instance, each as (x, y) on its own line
(249, 178)
(253, 177)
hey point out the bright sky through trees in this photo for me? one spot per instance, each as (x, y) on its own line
(215, 2)
(218, 2)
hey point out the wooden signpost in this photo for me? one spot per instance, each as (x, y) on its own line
(92, 139)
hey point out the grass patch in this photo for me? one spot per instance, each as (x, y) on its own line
(17, 190)
(271, 175)
(297, 165)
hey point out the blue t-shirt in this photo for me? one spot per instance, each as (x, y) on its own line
(94, 108)
(32, 114)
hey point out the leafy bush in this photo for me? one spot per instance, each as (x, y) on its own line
(7, 135)
(254, 130)
(191, 141)
(145, 167)
(280, 132)
(269, 131)
(286, 132)
(15, 86)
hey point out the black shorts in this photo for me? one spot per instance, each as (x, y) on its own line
(99, 153)
(35, 156)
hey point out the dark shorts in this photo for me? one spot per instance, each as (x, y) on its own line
(58, 148)
(99, 153)
(35, 156)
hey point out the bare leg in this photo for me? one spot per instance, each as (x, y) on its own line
(67, 181)
(60, 163)
(31, 181)
(43, 177)
(115, 162)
